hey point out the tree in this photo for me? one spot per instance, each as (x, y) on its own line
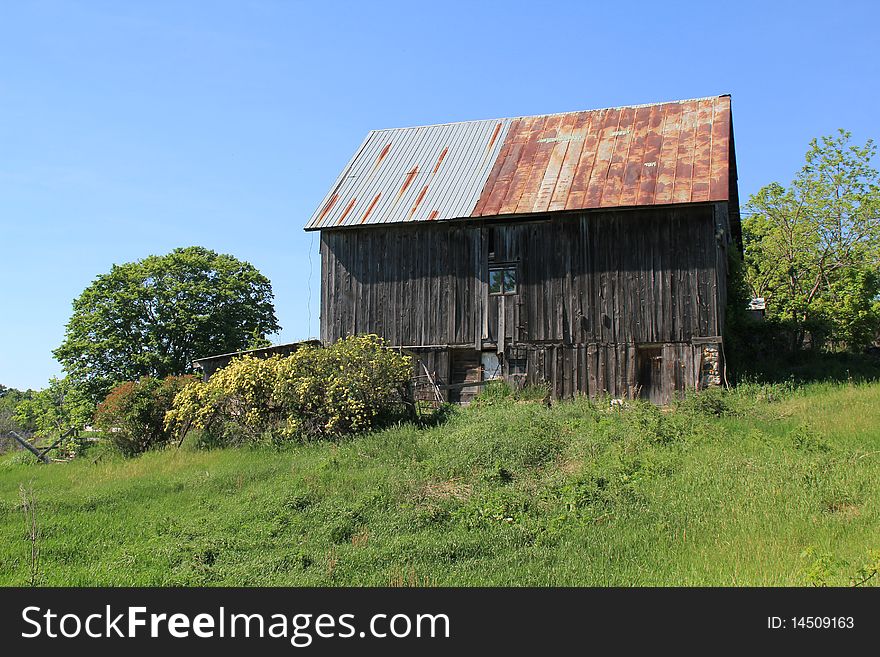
(10, 398)
(55, 409)
(813, 249)
(154, 316)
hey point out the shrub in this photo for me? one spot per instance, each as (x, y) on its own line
(349, 387)
(712, 402)
(235, 405)
(133, 413)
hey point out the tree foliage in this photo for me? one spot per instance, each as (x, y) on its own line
(10, 398)
(55, 409)
(812, 249)
(154, 316)
(236, 405)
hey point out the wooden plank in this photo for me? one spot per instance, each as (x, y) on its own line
(568, 296)
(502, 328)
(477, 279)
(33, 450)
(484, 286)
(611, 369)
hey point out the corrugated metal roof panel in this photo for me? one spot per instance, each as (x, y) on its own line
(676, 152)
(621, 157)
(413, 174)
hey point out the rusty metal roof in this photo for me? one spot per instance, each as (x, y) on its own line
(663, 153)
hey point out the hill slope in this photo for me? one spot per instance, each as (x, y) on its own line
(764, 486)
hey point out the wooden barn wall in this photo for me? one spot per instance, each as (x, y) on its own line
(592, 287)
(616, 277)
(606, 369)
(413, 285)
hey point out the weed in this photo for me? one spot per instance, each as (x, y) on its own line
(33, 534)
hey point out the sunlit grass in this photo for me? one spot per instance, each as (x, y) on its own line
(741, 489)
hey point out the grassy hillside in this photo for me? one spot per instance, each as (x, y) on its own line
(764, 486)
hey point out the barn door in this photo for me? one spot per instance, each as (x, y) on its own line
(465, 369)
(650, 379)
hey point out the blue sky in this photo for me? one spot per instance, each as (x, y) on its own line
(131, 128)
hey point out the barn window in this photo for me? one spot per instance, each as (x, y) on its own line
(502, 280)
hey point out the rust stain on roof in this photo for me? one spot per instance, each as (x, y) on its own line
(346, 211)
(408, 180)
(327, 207)
(620, 157)
(381, 156)
(370, 208)
(494, 136)
(419, 199)
(440, 160)
(433, 215)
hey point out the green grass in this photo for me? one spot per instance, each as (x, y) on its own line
(773, 485)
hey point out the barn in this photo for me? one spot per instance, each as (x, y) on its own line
(585, 251)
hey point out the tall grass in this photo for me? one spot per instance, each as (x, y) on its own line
(764, 485)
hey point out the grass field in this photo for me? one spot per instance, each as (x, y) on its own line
(761, 486)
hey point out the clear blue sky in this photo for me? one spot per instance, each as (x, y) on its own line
(131, 128)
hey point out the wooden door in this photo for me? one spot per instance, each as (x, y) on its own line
(650, 380)
(465, 368)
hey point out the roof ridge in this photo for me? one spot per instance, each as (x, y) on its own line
(533, 116)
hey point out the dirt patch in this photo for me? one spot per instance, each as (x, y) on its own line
(445, 490)
(843, 509)
(570, 466)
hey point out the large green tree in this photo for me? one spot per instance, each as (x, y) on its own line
(154, 316)
(812, 249)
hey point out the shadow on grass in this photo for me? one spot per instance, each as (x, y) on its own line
(812, 367)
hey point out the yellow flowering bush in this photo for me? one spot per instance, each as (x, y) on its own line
(345, 388)
(235, 405)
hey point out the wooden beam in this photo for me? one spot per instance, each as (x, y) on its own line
(33, 450)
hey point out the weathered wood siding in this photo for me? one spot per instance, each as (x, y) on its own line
(591, 288)
(413, 285)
